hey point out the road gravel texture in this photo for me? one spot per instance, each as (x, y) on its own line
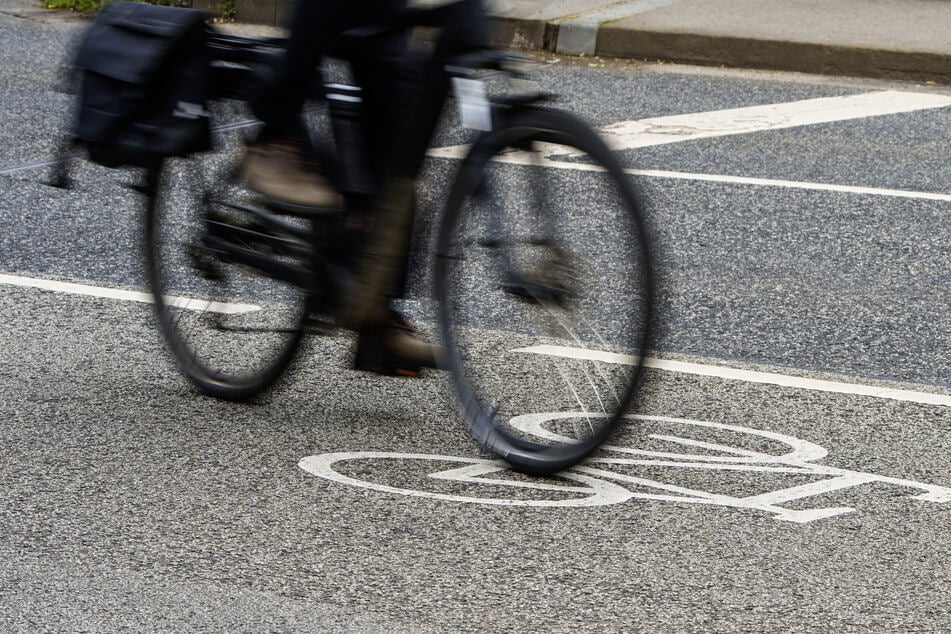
(129, 501)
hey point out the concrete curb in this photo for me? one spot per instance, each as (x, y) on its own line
(805, 57)
(887, 39)
(579, 35)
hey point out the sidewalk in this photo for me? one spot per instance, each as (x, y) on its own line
(895, 39)
(891, 39)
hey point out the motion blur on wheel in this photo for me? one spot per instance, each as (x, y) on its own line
(232, 290)
(545, 287)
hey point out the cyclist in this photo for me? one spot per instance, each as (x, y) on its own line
(284, 166)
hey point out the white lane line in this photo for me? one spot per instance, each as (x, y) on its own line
(523, 158)
(626, 135)
(583, 354)
(700, 125)
(124, 295)
(772, 182)
(549, 350)
(704, 125)
(749, 376)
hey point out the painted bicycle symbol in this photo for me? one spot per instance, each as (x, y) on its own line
(708, 453)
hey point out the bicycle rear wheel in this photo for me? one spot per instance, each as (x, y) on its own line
(223, 282)
(545, 286)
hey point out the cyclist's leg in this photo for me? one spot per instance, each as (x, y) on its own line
(404, 97)
(390, 75)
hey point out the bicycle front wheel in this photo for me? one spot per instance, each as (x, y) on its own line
(223, 282)
(545, 286)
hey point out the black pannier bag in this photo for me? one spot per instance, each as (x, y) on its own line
(143, 88)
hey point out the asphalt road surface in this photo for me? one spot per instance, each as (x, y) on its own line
(786, 467)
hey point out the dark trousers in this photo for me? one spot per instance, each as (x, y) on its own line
(378, 68)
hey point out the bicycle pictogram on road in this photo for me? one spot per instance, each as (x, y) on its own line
(618, 473)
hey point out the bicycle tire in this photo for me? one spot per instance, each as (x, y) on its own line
(538, 312)
(232, 330)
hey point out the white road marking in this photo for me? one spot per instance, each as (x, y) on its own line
(593, 491)
(583, 354)
(523, 158)
(683, 367)
(771, 182)
(748, 376)
(688, 127)
(704, 125)
(626, 135)
(598, 475)
(125, 295)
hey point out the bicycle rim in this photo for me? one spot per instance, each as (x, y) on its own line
(232, 329)
(545, 286)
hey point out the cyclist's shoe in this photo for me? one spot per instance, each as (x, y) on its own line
(286, 173)
(394, 348)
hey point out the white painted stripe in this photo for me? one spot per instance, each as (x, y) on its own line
(626, 135)
(704, 125)
(583, 354)
(125, 295)
(523, 158)
(717, 123)
(749, 376)
(771, 182)
(449, 152)
(683, 367)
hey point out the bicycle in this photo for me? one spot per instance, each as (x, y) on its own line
(540, 302)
